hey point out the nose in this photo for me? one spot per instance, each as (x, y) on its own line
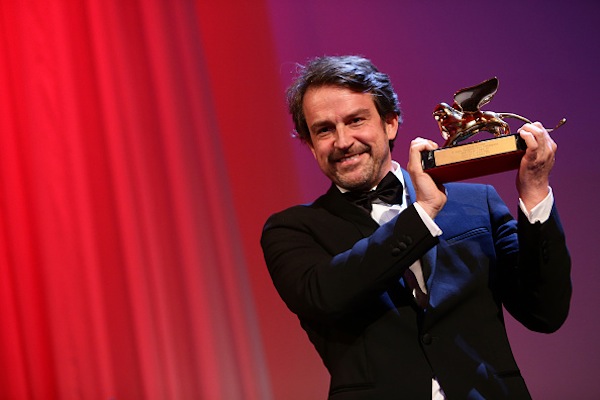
(343, 138)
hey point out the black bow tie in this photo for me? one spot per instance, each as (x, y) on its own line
(389, 191)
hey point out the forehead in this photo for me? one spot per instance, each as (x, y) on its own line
(326, 102)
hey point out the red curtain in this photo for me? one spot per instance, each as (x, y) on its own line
(129, 226)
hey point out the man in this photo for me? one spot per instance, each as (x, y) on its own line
(402, 297)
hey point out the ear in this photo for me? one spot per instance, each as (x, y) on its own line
(391, 126)
(312, 149)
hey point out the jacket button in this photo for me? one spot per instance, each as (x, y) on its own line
(396, 252)
(545, 252)
(426, 339)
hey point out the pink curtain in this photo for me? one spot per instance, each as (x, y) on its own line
(129, 198)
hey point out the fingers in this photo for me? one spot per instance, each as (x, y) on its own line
(428, 194)
(540, 144)
(416, 147)
(423, 144)
(536, 164)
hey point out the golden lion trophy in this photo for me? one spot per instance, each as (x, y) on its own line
(455, 161)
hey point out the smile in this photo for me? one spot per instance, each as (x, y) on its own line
(349, 159)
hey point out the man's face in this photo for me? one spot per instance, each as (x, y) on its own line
(349, 139)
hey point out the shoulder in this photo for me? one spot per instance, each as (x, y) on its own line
(304, 225)
(472, 193)
(474, 199)
(301, 214)
(472, 188)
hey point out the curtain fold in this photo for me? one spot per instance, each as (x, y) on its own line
(124, 265)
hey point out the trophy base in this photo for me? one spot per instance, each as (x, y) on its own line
(475, 159)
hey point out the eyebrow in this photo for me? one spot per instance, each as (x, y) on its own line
(356, 113)
(318, 125)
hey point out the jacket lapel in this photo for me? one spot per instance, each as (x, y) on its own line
(335, 203)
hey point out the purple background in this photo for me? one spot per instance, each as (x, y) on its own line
(545, 54)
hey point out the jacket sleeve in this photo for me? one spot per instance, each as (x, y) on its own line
(317, 284)
(535, 275)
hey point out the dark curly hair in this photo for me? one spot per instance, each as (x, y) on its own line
(353, 72)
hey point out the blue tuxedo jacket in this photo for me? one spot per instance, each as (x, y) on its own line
(341, 274)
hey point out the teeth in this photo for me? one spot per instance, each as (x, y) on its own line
(349, 158)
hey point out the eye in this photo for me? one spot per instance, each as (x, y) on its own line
(324, 129)
(356, 121)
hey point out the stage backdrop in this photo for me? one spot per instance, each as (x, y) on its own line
(144, 143)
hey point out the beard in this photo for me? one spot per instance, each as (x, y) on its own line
(361, 177)
(360, 181)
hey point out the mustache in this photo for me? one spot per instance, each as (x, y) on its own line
(339, 154)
